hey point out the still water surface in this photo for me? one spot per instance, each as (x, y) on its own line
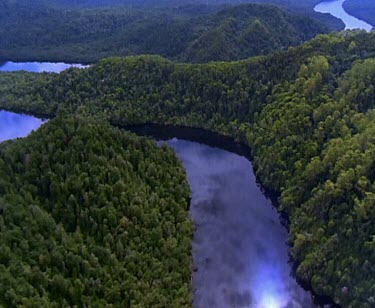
(17, 125)
(14, 125)
(334, 7)
(37, 67)
(239, 247)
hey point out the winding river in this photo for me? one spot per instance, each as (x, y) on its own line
(240, 253)
(335, 8)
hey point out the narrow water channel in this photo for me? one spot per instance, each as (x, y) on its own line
(240, 253)
(239, 248)
(335, 8)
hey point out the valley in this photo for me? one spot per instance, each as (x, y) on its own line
(255, 181)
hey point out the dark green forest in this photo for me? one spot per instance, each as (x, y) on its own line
(306, 113)
(92, 216)
(305, 7)
(301, 5)
(364, 9)
(185, 34)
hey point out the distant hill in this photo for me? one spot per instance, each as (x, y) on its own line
(306, 4)
(305, 7)
(87, 35)
(159, 3)
(364, 9)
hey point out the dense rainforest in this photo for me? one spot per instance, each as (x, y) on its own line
(185, 34)
(364, 9)
(92, 216)
(307, 114)
(305, 5)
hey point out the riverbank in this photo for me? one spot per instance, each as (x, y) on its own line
(282, 107)
(336, 9)
(363, 9)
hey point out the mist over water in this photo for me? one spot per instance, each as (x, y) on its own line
(239, 247)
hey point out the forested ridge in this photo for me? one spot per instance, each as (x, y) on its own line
(92, 216)
(186, 34)
(306, 113)
(303, 7)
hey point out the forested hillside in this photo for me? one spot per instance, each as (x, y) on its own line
(307, 114)
(185, 34)
(305, 7)
(306, 4)
(92, 216)
(364, 9)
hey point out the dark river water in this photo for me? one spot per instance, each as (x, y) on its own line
(240, 253)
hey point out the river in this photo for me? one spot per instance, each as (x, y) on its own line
(37, 67)
(335, 8)
(239, 246)
(17, 125)
(240, 253)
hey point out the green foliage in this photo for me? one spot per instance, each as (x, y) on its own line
(92, 216)
(307, 114)
(193, 34)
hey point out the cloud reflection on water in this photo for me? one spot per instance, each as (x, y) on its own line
(239, 247)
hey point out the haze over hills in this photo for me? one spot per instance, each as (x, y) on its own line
(161, 3)
(187, 34)
(305, 7)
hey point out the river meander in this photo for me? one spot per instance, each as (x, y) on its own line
(240, 251)
(335, 8)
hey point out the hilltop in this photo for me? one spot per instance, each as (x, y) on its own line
(185, 34)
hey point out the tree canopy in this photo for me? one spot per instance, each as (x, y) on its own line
(92, 216)
(306, 113)
(185, 34)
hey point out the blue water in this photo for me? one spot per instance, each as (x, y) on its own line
(17, 125)
(239, 245)
(334, 7)
(37, 67)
